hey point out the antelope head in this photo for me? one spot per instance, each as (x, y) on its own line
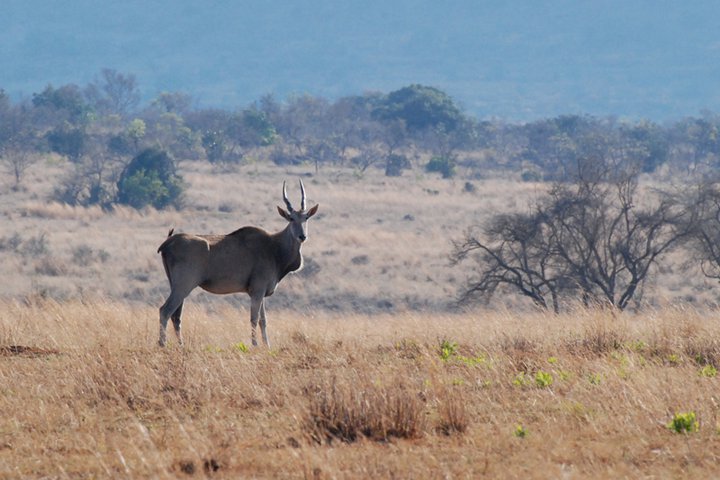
(297, 218)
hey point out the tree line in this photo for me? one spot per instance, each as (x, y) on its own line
(102, 126)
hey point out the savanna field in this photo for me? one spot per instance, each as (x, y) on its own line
(374, 371)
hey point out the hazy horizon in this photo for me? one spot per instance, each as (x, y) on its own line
(511, 60)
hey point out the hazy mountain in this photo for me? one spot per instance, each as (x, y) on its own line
(513, 59)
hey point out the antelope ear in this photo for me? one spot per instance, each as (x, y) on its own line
(283, 214)
(312, 211)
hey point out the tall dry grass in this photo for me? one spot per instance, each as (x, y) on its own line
(85, 393)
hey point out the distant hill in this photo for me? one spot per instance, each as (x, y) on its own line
(653, 59)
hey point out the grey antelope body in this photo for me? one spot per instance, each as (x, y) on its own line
(247, 260)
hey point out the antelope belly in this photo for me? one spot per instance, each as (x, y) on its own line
(222, 287)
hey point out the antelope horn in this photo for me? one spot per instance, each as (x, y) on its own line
(302, 200)
(285, 199)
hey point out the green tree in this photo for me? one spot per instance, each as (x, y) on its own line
(64, 104)
(248, 129)
(136, 132)
(150, 179)
(420, 107)
(67, 140)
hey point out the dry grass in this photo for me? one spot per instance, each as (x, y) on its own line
(85, 393)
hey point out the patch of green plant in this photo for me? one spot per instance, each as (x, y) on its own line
(637, 345)
(578, 409)
(564, 375)
(595, 378)
(520, 431)
(478, 361)
(543, 379)
(621, 358)
(673, 359)
(708, 371)
(623, 373)
(684, 423)
(521, 380)
(448, 349)
(552, 360)
(240, 347)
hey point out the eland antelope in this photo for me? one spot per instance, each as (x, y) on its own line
(247, 260)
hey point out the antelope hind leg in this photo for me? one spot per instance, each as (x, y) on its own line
(171, 305)
(176, 319)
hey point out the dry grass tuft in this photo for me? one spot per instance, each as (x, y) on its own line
(452, 413)
(349, 409)
(24, 351)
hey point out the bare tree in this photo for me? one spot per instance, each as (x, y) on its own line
(705, 247)
(514, 251)
(610, 243)
(594, 236)
(114, 92)
(18, 141)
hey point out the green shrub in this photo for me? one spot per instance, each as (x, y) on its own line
(448, 349)
(442, 165)
(150, 180)
(684, 423)
(543, 379)
(520, 380)
(395, 164)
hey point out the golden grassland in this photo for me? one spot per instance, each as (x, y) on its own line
(85, 393)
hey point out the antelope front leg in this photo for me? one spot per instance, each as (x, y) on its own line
(255, 307)
(263, 324)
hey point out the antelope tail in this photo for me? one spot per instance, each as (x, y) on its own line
(161, 247)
